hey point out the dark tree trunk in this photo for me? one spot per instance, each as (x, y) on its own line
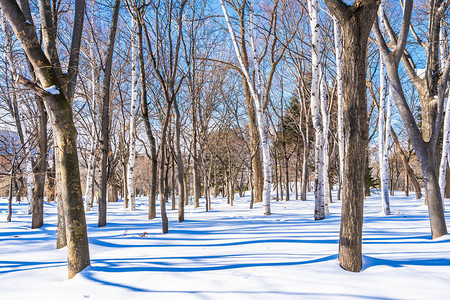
(104, 138)
(65, 136)
(37, 217)
(356, 22)
(10, 196)
(275, 161)
(179, 158)
(162, 189)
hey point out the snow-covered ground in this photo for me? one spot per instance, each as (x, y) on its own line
(228, 253)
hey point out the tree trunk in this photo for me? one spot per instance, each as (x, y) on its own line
(162, 155)
(65, 135)
(180, 168)
(356, 23)
(305, 175)
(340, 130)
(275, 160)
(61, 240)
(319, 197)
(132, 142)
(104, 140)
(37, 218)
(10, 196)
(425, 143)
(148, 128)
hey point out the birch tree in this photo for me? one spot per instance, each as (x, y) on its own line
(383, 130)
(134, 84)
(326, 126)
(94, 112)
(340, 129)
(443, 44)
(258, 93)
(319, 190)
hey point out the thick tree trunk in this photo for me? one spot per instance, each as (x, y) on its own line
(356, 22)
(355, 115)
(65, 135)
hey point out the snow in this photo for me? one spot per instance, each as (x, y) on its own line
(228, 253)
(420, 73)
(54, 90)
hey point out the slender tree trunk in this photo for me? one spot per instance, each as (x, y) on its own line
(326, 125)
(104, 140)
(162, 189)
(305, 175)
(296, 173)
(382, 131)
(195, 170)
(61, 240)
(37, 218)
(148, 128)
(180, 168)
(275, 160)
(10, 196)
(132, 148)
(340, 130)
(319, 197)
(125, 193)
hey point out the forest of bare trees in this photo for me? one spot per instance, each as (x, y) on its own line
(182, 101)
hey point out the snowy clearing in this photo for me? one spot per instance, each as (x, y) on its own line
(228, 253)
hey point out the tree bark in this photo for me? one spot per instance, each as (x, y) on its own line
(179, 158)
(356, 22)
(104, 138)
(37, 218)
(132, 141)
(148, 129)
(60, 112)
(424, 144)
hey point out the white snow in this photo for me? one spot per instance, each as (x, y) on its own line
(228, 253)
(54, 90)
(420, 73)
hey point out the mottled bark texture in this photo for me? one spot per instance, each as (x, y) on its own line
(60, 113)
(356, 22)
